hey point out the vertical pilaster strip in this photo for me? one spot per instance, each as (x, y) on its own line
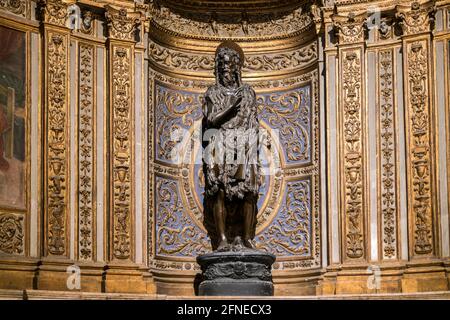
(139, 173)
(56, 113)
(401, 156)
(440, 82)
(35, 177)
(352, 121)
(151, 174)
(387, 162)
(415, 22)
(121, 41)
(73, 147)
(372, 171)
(332, 149)
(86, 151)
(101, 157)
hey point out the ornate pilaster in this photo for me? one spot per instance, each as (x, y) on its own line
(121, 36)
(387, 145)
(351, 34)
(86, 148)
(415, 21)
(56, 142)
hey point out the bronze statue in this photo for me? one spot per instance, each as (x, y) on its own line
(231, 159)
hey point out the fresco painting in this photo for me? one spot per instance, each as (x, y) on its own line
(12, 118)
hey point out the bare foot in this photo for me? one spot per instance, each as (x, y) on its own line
(223, 245)
(249, 244)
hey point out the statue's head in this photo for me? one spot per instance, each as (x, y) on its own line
(229, 61)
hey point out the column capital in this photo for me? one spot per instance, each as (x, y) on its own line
(351, 28)
(54, 12)
(122, 24)
(415, 18)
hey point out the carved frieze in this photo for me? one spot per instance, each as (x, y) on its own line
(57, 139)
(86, 151)
(177, 60)
(173, 23)
(296, 59)
(387, 162)
(238, 270)
(11, 233)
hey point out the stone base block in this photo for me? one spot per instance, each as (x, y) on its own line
(236, 273)
(18, 273)
(124, 279)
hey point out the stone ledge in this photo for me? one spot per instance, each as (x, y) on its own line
(65, 295)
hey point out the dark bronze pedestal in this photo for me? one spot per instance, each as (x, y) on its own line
(236, 273)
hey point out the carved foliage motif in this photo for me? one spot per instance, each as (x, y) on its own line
(282, 61)
(86, 153)
(419, 145)
(15, 6)
(351, 90)
(174, 23)
(290, 113)
(56, 145)
(176, 233)
(121, 153)
(53, 12)
(11, 233)
(388, 160)
(176, 110)
(253, 63)
(290, 232)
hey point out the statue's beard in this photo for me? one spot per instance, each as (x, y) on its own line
(227, 79)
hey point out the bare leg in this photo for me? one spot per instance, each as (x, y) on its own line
(219, 218)
(249, 217)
